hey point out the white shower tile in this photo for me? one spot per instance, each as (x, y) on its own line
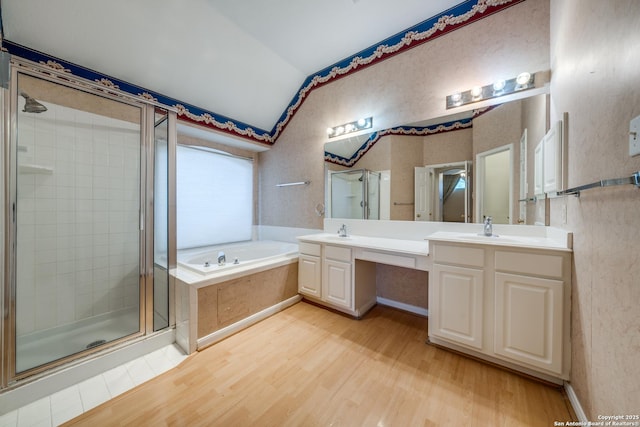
(93, 392)
(26, 218)
(100, 159)
(35, 413)
(66, 405)
(26, 205)
(66, 254)
(159, 362)
(175, 354)
(45, 191)
(118, 380)
(9, 419)
(140, 371)
(62, 416)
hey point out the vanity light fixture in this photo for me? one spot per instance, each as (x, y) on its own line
(523, 81)
(358, 125)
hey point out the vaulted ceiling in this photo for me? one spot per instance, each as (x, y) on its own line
(245, 60)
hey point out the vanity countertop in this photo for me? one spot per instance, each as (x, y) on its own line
(404, 246)
(532, 242)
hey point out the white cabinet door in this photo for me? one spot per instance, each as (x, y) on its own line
(538, 177)
(456, 304)
(309, 275)
(529, 320)
(338, 289)
(422, 196)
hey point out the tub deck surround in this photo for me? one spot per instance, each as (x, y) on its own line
(211, 305)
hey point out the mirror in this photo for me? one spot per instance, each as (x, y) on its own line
(463, 137)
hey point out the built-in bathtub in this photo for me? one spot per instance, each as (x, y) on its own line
(237, 255)
(215, 301)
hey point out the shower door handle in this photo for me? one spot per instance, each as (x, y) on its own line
(141, 221)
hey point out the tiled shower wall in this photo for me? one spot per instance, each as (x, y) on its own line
(77, 216)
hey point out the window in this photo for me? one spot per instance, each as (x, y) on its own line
(214, 197)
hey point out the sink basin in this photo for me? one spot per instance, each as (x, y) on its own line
(338, 237)
(481, 238)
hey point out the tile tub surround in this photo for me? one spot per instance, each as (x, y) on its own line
(263, 287)
(225, 303)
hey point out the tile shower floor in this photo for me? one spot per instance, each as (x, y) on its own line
(73, 401)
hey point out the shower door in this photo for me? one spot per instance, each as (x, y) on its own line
(75, 196)
(354, 194)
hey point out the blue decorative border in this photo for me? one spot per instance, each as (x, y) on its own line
(400, 130)
(463, 14)
(186, 112)
(407, 131)
(458, 16)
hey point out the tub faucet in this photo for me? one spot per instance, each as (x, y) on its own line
(488, 226)
(343, 231)
(222, 259)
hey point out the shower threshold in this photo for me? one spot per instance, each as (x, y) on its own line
(42, 347)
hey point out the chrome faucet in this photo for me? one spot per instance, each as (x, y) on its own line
(222, 259)
(488, 226)
(343, 231)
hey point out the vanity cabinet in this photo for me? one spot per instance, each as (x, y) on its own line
(325, 275)
(336, 276)
(507, 305)
(456, 295)
(529, 309)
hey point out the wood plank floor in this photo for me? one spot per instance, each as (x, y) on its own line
(307, 366)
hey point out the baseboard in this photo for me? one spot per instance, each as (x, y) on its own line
(402, 306)
(225, 332)
(575, 403)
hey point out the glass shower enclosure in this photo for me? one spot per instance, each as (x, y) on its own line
(354, 194)
(80, 261)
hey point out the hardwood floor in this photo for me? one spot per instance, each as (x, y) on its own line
(307, 366)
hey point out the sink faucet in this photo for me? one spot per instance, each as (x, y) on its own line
(222, 259)
(488, 226)
(343, 231)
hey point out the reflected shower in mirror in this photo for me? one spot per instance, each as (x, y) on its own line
(354, 194)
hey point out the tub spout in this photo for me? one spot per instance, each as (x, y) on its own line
(222, 259)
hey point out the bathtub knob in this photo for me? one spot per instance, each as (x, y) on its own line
(206, 264)
(236, 261)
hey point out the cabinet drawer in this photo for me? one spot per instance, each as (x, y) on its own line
(458, 255)
(309, 248)
(532, 264)
(337, 253)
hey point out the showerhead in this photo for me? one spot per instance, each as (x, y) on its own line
(31, 105)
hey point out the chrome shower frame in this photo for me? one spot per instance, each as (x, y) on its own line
(8, 224)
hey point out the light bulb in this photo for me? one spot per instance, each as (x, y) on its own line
(499, 85)
(476, 91)
(456, 97)
(362, 122)
(349, 128)
(329, 131)
(339, 130)
(523, 78)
